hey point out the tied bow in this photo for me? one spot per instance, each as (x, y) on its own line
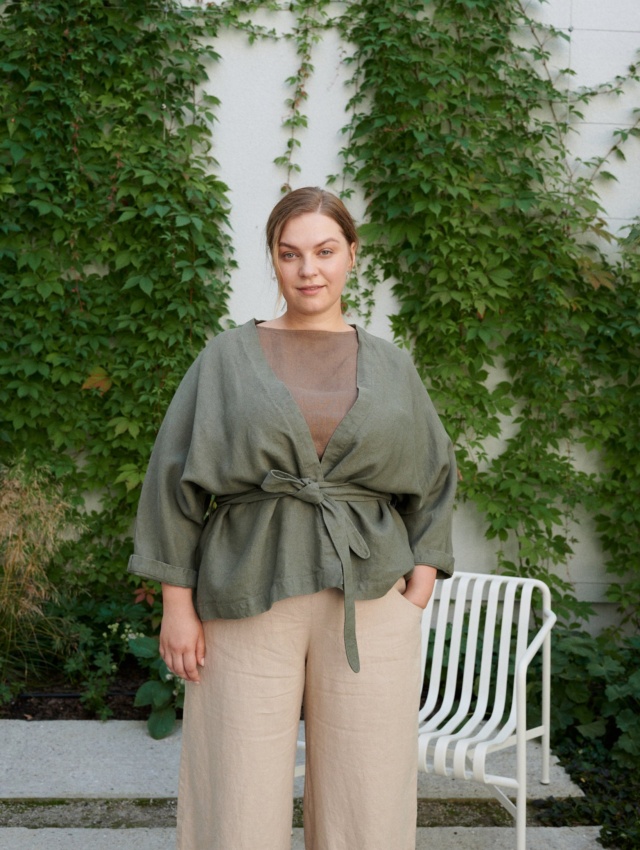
(342, 532)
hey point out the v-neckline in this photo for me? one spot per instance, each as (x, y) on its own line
(346, 428)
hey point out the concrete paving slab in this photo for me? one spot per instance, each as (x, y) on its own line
(432, 787)
(87, 839)
(84, 759)
(503, 763)
(450, 838)
(90, 759)
(503, 838)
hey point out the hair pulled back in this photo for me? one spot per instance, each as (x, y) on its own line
(310, 199)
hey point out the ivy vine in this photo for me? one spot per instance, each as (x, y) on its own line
(492, 242)
(114, 253)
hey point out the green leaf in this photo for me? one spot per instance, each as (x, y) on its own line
(161, 722)
(146, 285)
(122, 259)
(595, 729)
(44, 208)
(144, 647)
(127, 215)
(154, 693)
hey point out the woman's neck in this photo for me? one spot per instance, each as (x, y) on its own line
(309, 323)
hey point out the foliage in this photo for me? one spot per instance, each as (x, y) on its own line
(491, 239)
(163, 691)
(596, 694)
(99, 631)
(610, 801)
(614, 420)
(311, 17)
(477, 214)
(114, 251)
(33, 519)
(595, 725)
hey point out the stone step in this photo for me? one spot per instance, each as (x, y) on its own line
(89, 759)
(444, 838)
(89, 766)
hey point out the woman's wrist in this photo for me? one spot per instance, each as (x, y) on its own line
(420, 584)
(176, 597)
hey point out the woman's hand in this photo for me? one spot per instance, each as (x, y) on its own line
(420, 586)
(181, 634)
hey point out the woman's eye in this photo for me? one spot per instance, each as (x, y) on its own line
(326, 252)
(288, 256)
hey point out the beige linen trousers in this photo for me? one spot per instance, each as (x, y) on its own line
(241, 725)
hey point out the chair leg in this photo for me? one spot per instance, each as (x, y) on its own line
(521, 818)
(546, 709)
(521, 774)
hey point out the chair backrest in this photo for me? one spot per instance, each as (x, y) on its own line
(474, 632)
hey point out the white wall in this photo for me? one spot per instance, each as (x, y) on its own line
(250, 82)
(604, 40)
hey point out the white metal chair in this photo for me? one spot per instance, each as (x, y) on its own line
(478, 640)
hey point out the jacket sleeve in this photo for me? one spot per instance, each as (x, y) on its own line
(172, 505)
(427, 512)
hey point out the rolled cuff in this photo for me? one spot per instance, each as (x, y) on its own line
(148, 568)
(442, 561)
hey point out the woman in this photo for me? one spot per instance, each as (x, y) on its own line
(297, 510)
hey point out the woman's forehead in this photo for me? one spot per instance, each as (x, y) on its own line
(311, 227)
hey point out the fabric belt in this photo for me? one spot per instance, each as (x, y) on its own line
(343, 534)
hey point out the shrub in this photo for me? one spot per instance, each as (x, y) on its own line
(596, 697)
(34, 520)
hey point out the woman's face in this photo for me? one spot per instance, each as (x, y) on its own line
(312, 261)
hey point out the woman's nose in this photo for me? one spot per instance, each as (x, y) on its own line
(307, 267)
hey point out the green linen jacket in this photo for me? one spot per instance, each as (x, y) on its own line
(237, 505)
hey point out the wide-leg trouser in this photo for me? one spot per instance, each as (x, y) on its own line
(241, 725)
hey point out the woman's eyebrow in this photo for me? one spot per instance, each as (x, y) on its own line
(324, 242)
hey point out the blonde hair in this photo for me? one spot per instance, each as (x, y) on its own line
(310, 199)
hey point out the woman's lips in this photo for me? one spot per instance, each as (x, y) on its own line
(309, 290)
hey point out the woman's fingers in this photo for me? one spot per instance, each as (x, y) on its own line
(190, 667)
(181, 633)
(185, 661)
(182, 644)
(200, 648)
(182, 664)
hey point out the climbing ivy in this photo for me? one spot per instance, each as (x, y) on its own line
(114, 253)
(612, 427)
(526, 335)
(311, 18)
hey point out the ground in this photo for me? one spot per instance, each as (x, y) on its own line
(55, 699)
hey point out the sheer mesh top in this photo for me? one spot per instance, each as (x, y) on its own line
(319, 370)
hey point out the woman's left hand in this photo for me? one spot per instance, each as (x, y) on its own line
(420, 586)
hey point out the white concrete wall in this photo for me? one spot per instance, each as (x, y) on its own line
(250, 82)
(604, 40)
